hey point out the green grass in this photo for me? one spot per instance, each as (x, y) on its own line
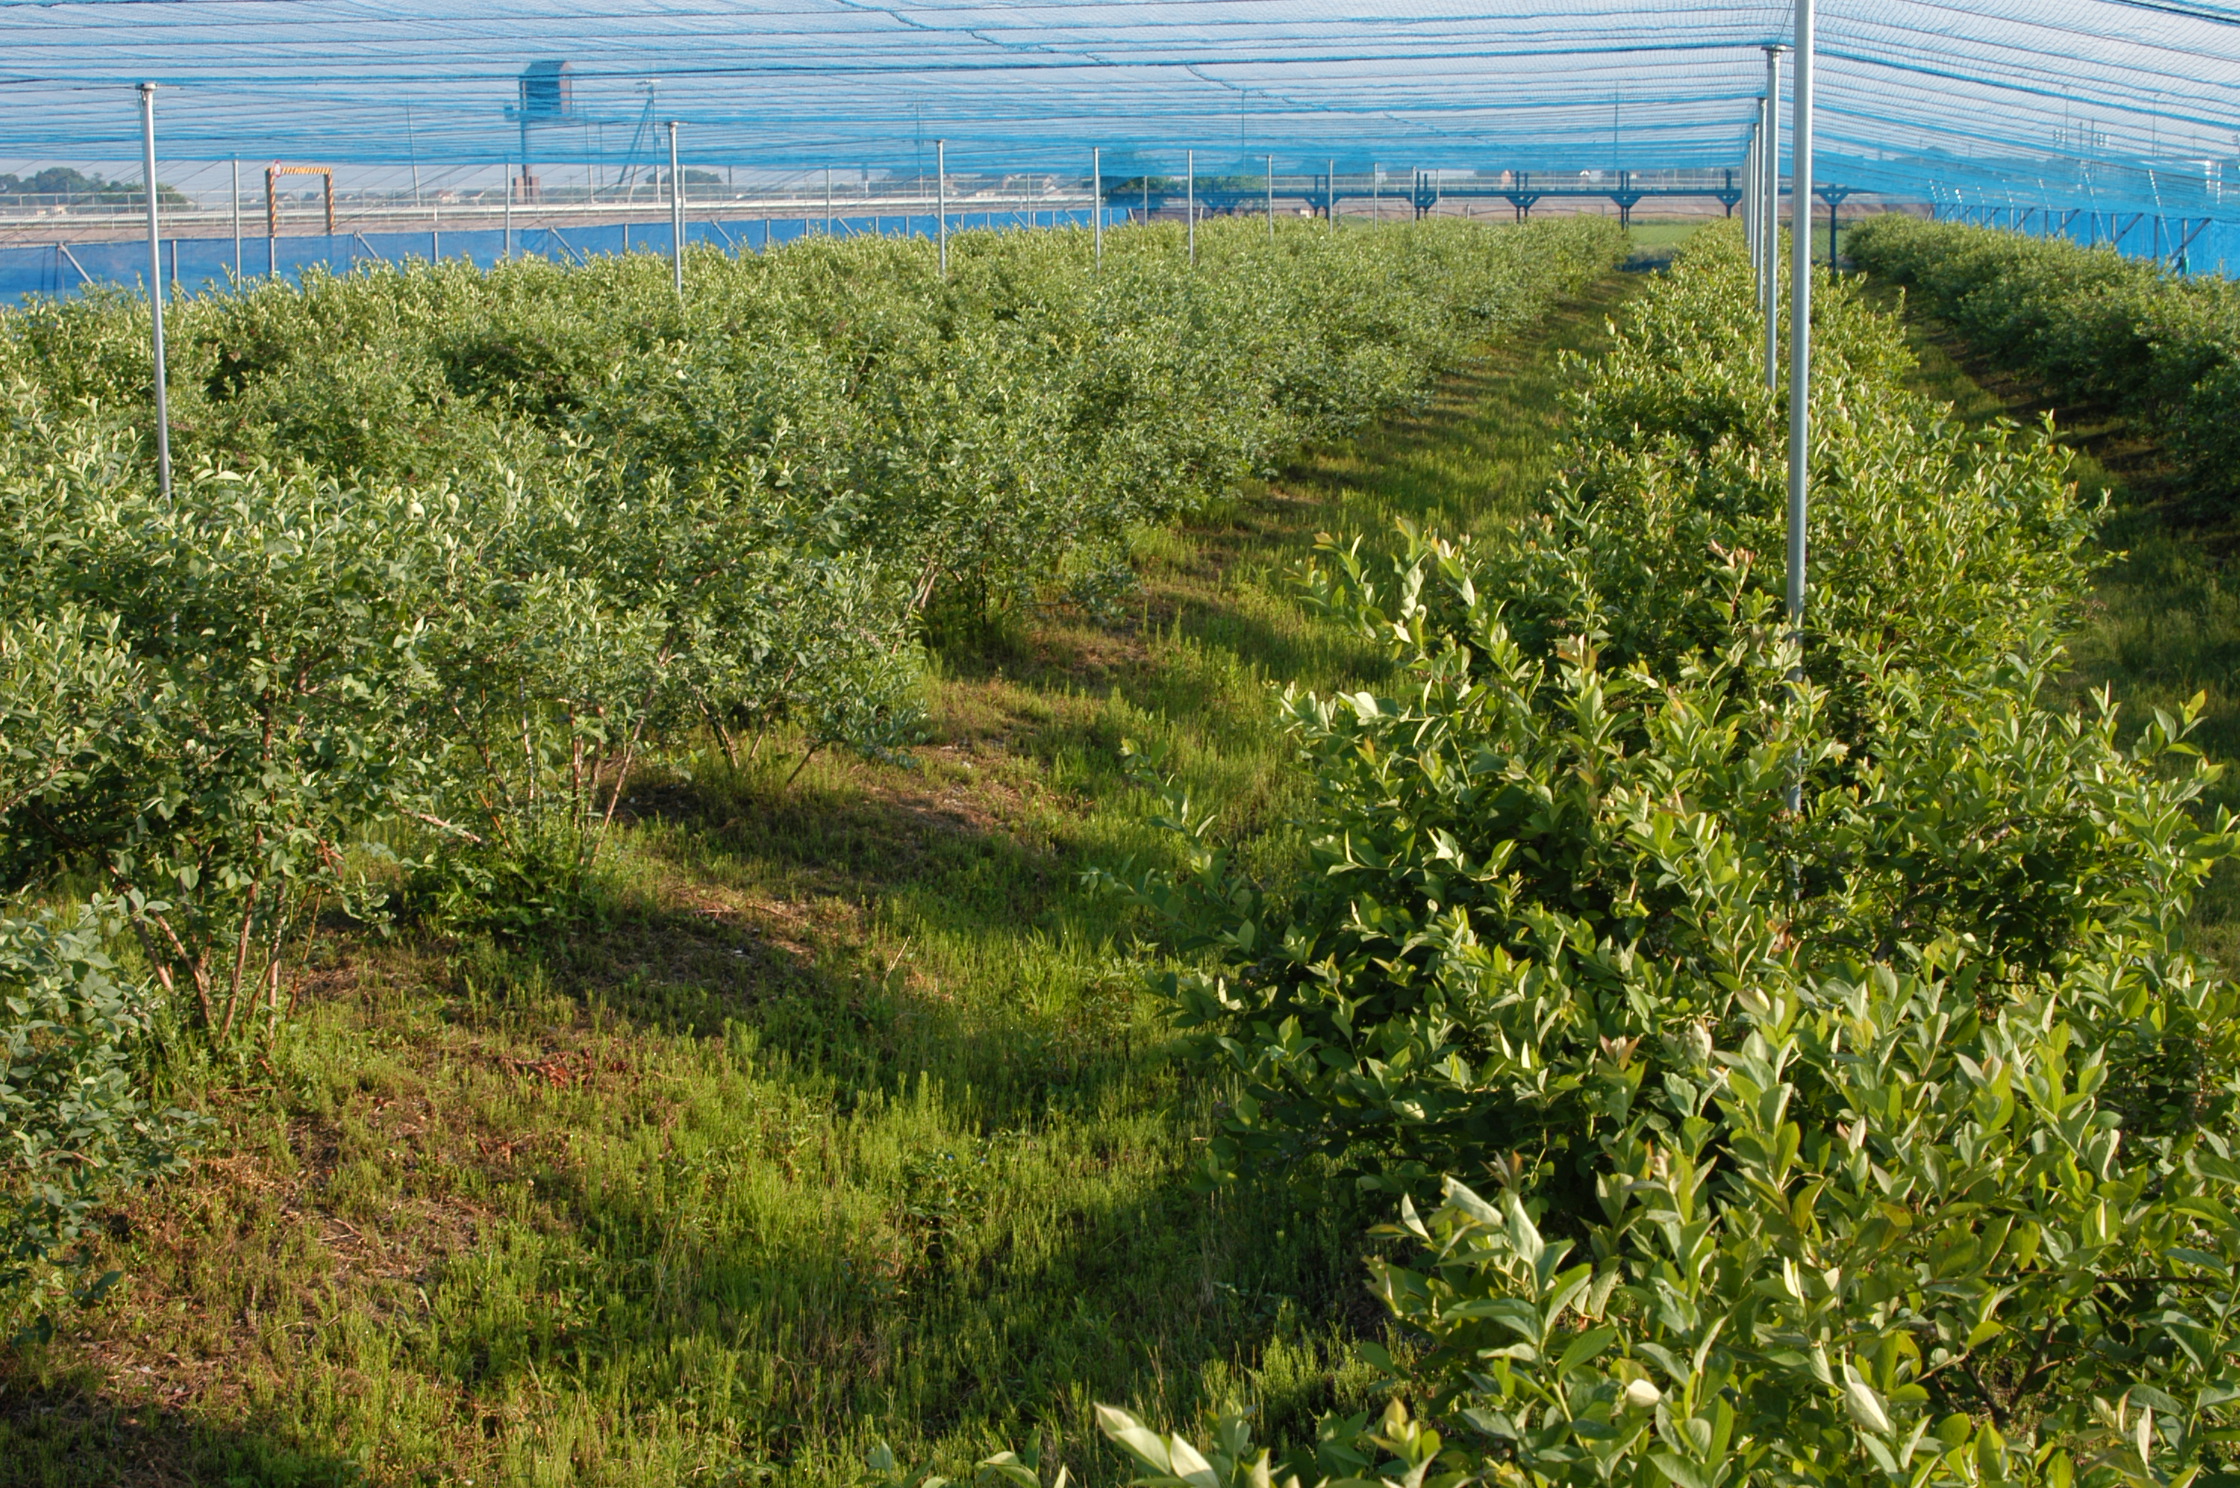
(851, 1120)
(1660, 236)
(2163, 626)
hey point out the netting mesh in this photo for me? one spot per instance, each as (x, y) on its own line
(2093, 106)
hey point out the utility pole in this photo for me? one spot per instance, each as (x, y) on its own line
(155, 289)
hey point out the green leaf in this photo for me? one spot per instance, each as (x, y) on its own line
(1136, 1439)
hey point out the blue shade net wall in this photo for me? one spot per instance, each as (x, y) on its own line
(2105, 120)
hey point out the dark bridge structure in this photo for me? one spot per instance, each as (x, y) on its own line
(1423, 191)
(1522, 192)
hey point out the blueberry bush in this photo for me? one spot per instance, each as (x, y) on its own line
(1887, 1139)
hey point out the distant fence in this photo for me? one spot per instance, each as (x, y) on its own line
(63, 269)
(2193, 245)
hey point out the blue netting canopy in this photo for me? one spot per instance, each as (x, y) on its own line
(2128, 102)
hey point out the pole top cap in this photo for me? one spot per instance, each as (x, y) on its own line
(1779, 49)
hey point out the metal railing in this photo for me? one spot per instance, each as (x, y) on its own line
(807, 196)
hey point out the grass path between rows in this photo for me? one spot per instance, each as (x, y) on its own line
(851, 1120)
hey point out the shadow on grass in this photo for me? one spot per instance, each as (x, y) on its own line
(70, 1433)
(962, 1316)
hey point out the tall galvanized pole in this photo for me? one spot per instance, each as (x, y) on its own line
(828, 201)
(1096, 201)
(1749, 165)
(1769, 291)
(1332, 206)
(155, 289)
(237, 219)
(1763, 224)
(1376, 192)
(509, 211)
(1760, 143)
(676, 214)
(1769, 231)
(1764, 185)
(1750, 203)
(941, 201)
(1800, 333)
(1190, 201)
(1271, 198)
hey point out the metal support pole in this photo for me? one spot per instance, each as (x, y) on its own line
(828, 201)
(1769, 288)
(676, 214)
(1332, 204)
(1096, 201)
(1190, 201)
(1767, 185)
(509, 211)
(1756, 199)
(1757, 208)
(1749, 203)
(1761, 225)
(1750, 229)
(1800, 335)
(1754, 194)
(237, 218)
(1271, 198)
(1376, 193)
(941, 201)
(155, 290)
(1754, 188)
